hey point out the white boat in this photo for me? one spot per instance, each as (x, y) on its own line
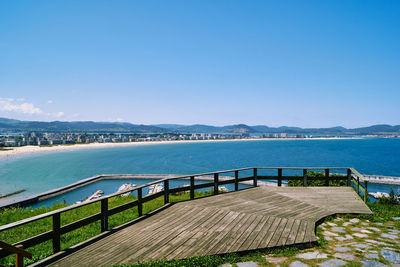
(96, 194)
(155, 188)
(223, 189)
(125, 187)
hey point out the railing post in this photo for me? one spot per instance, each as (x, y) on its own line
(255, 177)
(366, 191)
(104, 214)
(19, 259)
(139, 205)
(279, 177)
(236, 180)
(215, 183)
(326, 177)
(56, 232)
(304, 177)
(358, 185)
(166, 192)
(348, 177)
(191, 187)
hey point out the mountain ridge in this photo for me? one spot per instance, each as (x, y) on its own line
(92, 126)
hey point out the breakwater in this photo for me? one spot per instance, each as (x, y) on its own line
(22, 202)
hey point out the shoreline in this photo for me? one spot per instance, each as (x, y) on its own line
(22, 150)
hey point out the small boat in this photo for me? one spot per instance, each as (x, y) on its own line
(223, 189)
(125, 187)
(155, 188)
(96, 194)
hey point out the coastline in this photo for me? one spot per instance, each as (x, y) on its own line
(14, 151)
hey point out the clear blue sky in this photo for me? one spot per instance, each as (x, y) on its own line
(298, 63)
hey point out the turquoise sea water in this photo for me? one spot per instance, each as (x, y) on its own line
(44, 171)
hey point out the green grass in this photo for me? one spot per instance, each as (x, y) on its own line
(74, 237)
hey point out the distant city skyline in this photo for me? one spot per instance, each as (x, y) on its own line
(275, 63)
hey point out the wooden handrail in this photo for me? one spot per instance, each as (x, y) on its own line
(74, 206)
(253, 173)
(20, 253)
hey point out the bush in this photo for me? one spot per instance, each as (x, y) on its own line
(320, 180)
(393, 199)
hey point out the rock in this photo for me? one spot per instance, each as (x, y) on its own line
(226, 265)
(354, 220)
(346, 223)
(363, 223)
(365, 231)
(328, 238)
(369, 263)
(375, 242)
(374, 229)
(347, 236)
(390, 256)
(247, 264)
(389, 236)
(338, 219)
(355, 229)
(345, 256)
(382, 239)
(327, 233)
(360, 235)
(331, 224)
(393, 231)
(342, 249)
(312, 255)
(333, 263)
(298, 264)
(322, 227)
(340, 238)
(358, 245)
(371, 256)
(338, 229)
(275, 259)
(378, 224)
(396, 218)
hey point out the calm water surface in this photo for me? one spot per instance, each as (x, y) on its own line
(44, 171)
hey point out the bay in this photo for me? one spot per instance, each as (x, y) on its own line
(44, 171)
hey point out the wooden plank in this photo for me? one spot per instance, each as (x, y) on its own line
(293, 232)
(278, 232)
(301, 232)
(269, 234)
(238, 244)
(285, 234)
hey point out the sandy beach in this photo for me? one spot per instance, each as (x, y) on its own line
(38, 149)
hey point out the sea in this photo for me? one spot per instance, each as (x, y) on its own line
(40, 172)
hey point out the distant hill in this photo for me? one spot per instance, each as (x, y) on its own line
(380, 128)
(77, 126)
(91, 126)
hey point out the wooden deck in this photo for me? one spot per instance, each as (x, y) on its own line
(255, 218)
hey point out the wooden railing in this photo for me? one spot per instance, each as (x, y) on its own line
(351, 176)
(20, 253)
